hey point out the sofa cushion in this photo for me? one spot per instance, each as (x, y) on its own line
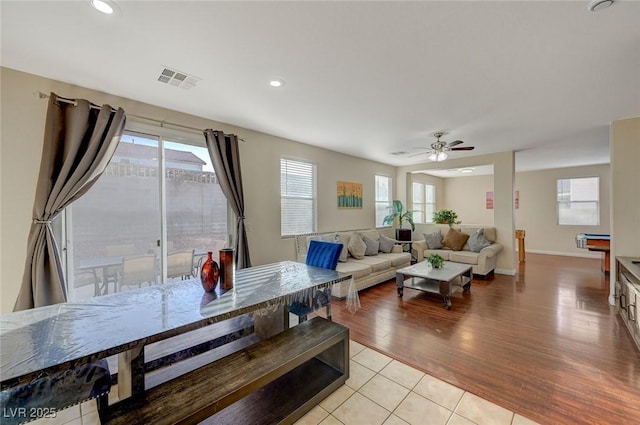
(371, 234)
(372, 246)
(355, 268)
(357, 247)
(454, 239)
(477, 241)
(444, 253)
(397, 258)
(464, 257)
(386, 244)
(434, 240)
(377, 263)
(490, 233)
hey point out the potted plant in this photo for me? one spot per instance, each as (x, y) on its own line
(435, 260)
(397, 211)
(449, 217)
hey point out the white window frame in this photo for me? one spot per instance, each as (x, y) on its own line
(564, 199)
(425, 207)
(418, 204)
(302, 166)
(380, 202)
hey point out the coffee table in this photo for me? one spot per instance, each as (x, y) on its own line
(445, 281)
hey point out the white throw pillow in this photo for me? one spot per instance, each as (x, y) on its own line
(357, 247)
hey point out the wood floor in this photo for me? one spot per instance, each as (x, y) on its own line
(544, 344)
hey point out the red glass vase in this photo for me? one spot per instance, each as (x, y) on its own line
(209, 273)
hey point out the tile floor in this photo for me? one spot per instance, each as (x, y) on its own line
(380, 390)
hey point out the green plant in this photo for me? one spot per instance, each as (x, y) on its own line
(397, 211)
(435, 260)
(449, 217)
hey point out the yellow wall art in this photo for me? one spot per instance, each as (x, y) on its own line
(349, 195)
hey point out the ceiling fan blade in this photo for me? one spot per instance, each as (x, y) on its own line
(464, 148)
(455, 142)
(418, 154)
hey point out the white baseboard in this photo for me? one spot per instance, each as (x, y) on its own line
(596, 255)
(612, 299)
(508, 272)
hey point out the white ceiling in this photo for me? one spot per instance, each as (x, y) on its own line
(543, 78)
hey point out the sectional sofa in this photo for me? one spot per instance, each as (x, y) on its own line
(478, 249)
(375, 265)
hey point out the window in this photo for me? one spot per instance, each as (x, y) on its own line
(157, 197)
(383, 198)
(578, 201)
(297, 197)
(418, 202)
(424, 202)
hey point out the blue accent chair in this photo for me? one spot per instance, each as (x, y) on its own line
(320, 254)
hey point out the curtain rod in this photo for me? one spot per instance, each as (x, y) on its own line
(161, 122)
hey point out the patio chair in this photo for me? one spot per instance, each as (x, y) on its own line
(320, 254)
(138, 270)
(180, 264)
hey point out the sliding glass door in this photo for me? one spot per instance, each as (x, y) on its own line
(196, 209)
(149, 219)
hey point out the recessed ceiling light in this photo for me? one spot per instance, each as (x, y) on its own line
(276, 83)
(103, 6)
(597, 5)
(466, 170)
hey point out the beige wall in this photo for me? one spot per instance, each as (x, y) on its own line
(466, 196)
(625, 191)
(537, 214)
(23, 116)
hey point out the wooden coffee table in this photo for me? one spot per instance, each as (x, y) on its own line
(445, 281)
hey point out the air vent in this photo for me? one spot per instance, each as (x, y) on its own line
(398, 153)
(177, 78)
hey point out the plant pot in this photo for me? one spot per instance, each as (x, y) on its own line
(403, 234)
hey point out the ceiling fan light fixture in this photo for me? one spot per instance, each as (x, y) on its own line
(437, 156)
(103, 6)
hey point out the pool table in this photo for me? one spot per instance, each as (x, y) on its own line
(596, 242)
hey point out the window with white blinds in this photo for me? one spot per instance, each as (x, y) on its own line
(297, 197)
(383, 198)
(579, 201)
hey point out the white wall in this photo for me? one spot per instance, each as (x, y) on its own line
(537, 214)
(23, 117)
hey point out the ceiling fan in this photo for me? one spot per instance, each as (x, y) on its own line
(438, 150)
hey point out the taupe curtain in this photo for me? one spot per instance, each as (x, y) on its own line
(224, 153)
(79, 141)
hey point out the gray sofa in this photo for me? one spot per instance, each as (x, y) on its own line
(367, 271)
(483, 262)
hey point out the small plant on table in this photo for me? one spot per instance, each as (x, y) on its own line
(435, 260)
